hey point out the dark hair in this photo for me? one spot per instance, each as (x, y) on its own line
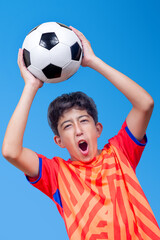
(64, 102)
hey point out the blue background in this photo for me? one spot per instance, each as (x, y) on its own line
(125, 34)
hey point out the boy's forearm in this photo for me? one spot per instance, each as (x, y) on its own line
(138, 97)
(13, 140)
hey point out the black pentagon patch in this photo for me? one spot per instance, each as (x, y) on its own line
(52, 71)
(76, 51)
(48, 40)
(62, 25)
(26, 57)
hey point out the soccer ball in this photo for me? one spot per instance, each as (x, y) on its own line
(52, 52)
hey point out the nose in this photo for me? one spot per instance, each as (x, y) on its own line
(78, 130)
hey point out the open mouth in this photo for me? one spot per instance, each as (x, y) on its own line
(83, 146)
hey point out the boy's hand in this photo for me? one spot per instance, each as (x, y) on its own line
(87, 49)
(26, 75)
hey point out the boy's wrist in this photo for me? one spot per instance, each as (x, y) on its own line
(31, 87)
(93, 62)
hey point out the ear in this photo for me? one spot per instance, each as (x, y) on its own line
(99, 128)
(58, 141)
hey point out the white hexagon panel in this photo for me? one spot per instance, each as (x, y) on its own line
(57, 52)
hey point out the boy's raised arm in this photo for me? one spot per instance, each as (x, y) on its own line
(142, 103)
(12, 148)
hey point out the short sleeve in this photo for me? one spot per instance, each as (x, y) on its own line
(47, 178)
(129, 145)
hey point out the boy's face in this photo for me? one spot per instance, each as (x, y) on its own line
(78, 133)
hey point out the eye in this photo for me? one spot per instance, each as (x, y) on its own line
(67, 126)
(84, 120)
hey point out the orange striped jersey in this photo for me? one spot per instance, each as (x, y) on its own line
(101, 199)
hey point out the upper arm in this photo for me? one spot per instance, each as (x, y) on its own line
(27, 162)
(126, 142)
(137, 121)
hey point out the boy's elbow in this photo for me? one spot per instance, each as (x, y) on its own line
(146, 104)
(149, 104)
(5, 151)
(9, 153)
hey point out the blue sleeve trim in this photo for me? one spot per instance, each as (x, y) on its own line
(134, 139)
(57, 197)
(40, 172)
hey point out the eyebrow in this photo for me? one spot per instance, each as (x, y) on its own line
(67, 121)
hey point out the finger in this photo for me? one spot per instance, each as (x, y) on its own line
(18, 59)
(21, 59)
(78, 33)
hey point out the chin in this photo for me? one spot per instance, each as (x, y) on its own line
(86, 159)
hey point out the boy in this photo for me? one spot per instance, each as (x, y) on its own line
(95, 191)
